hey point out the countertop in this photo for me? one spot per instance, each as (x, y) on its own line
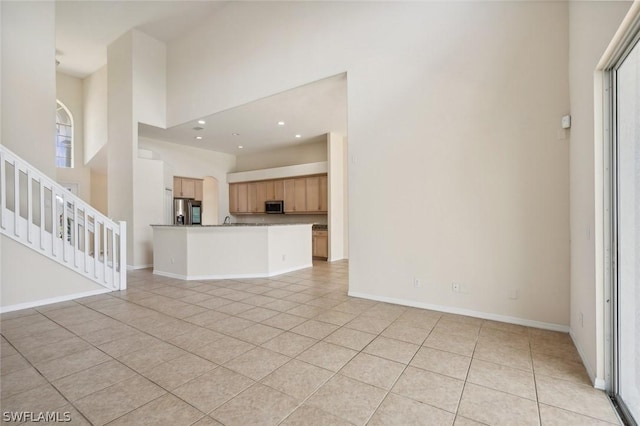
(231, 225)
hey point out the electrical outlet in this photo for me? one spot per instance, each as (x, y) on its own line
(417, 283)
(455, 287)
(284, 257)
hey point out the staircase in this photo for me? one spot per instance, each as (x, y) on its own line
(41, 214)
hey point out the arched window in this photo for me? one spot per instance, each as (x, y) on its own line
(64, 136)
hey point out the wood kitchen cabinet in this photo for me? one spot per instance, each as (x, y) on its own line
(324, 194)
(239, 197)
(295, 195)
(307, 194)
(320, 244)
(257, 196)
(316, 194)
(275, 189)
(233, 198)
(300, 196)
(289, 196)
(199, 185)
(184, 187)
(243, 198)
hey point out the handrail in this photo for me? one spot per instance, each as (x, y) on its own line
(41, 214)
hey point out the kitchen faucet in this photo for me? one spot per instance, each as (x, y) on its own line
(227, 220)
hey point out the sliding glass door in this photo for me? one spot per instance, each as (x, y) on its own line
(627, 233)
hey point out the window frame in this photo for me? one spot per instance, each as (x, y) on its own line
(71, 159)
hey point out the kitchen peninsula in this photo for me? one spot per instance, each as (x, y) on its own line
(230, 251)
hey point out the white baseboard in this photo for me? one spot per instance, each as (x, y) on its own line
(230, 276)
(598, 382)
(136, 267)
(169, 275)
(467, 312)
(287, 270)
(36, 303)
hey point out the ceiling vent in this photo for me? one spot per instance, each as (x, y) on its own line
(198, 128)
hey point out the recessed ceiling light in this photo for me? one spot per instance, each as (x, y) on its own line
(235, 134)
(280, 123)
(298, 136)
(201, 122)
(240, 146)
(198, 137)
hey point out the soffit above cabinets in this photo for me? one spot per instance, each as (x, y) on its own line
(279, 172)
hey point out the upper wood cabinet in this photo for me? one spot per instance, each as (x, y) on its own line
(300, 195)
(289, 195)
(199, 190)
(233, 198)
(324, 194)
(316, 193)
(275, 189)
(243, 198)
(184, 187)
(257, 196)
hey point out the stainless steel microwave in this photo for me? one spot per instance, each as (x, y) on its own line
(274, 207)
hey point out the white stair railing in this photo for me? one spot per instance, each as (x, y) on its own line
(41, 214)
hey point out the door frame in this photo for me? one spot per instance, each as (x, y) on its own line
(628, 40)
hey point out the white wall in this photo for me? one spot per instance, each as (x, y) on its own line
(27, 125)
(149, 80)
(28, 79)
(591, 27)
(44, 279)
(99, 192)
(313, 152)
(122, 135)
(95, 113)
(135, 78)
(148, 198)
(180, 160)
(453, 119)
(69, 91)
(210, 201)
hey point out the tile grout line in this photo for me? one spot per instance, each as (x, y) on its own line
(167, 391)
(466, 377)
(49, 382)
(338, 371)
(324, 308)
(401, 373)
(93, 345)
(217, 365)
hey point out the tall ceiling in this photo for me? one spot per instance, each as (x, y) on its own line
(84, 29)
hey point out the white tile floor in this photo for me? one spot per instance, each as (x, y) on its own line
(291, 350)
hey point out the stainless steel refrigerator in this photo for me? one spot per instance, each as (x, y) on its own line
(187, 211)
